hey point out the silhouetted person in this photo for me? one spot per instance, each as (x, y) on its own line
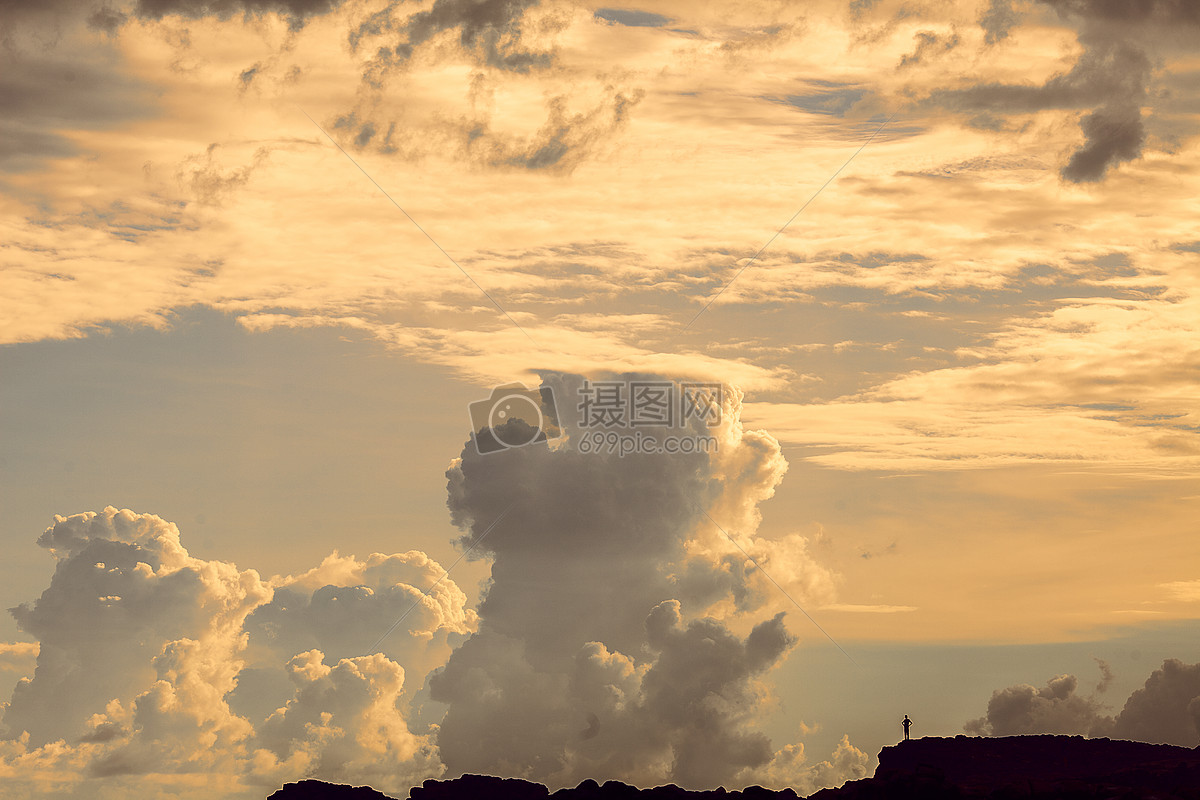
(907, 724)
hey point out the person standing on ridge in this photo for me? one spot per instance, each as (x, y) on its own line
(907, 723)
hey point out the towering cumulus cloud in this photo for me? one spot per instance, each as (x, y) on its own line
(607, 644)
(626, 632)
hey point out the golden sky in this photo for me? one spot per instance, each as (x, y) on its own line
(259, 257)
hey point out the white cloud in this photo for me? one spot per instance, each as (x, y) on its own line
(345, 723)
(143, 647)
(607, 633)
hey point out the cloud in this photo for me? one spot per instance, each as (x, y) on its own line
(572, 129)
(296, 11)
(998, 20)
(51, 95)
(345, 724)
(929, 44)
(1164, 12)
(491, 31)
(1166, 710)
(789, 768)
(867, 609)
(124, 590)
(342, 609)
(632, 17)
(1055, 708)
(143, 650)
(621, 632)
(1112, 76)
(109, 16)
(1185, 591)
(1114, 134)
(607, 633)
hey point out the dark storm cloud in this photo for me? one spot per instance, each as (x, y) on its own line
(565, 139)
(247, 76)
(699, 661)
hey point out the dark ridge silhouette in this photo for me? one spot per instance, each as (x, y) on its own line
(1027, 768)
(962, 768)
(319, 790)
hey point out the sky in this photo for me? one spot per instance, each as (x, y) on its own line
(263, 263)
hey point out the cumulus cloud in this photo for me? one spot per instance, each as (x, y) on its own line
(146, 655)
(789, 767)
(124, 589)
(1166, 710)
(1054, 708)
(607, 635)
(343, 608)
(346, 723)
(622, 633)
